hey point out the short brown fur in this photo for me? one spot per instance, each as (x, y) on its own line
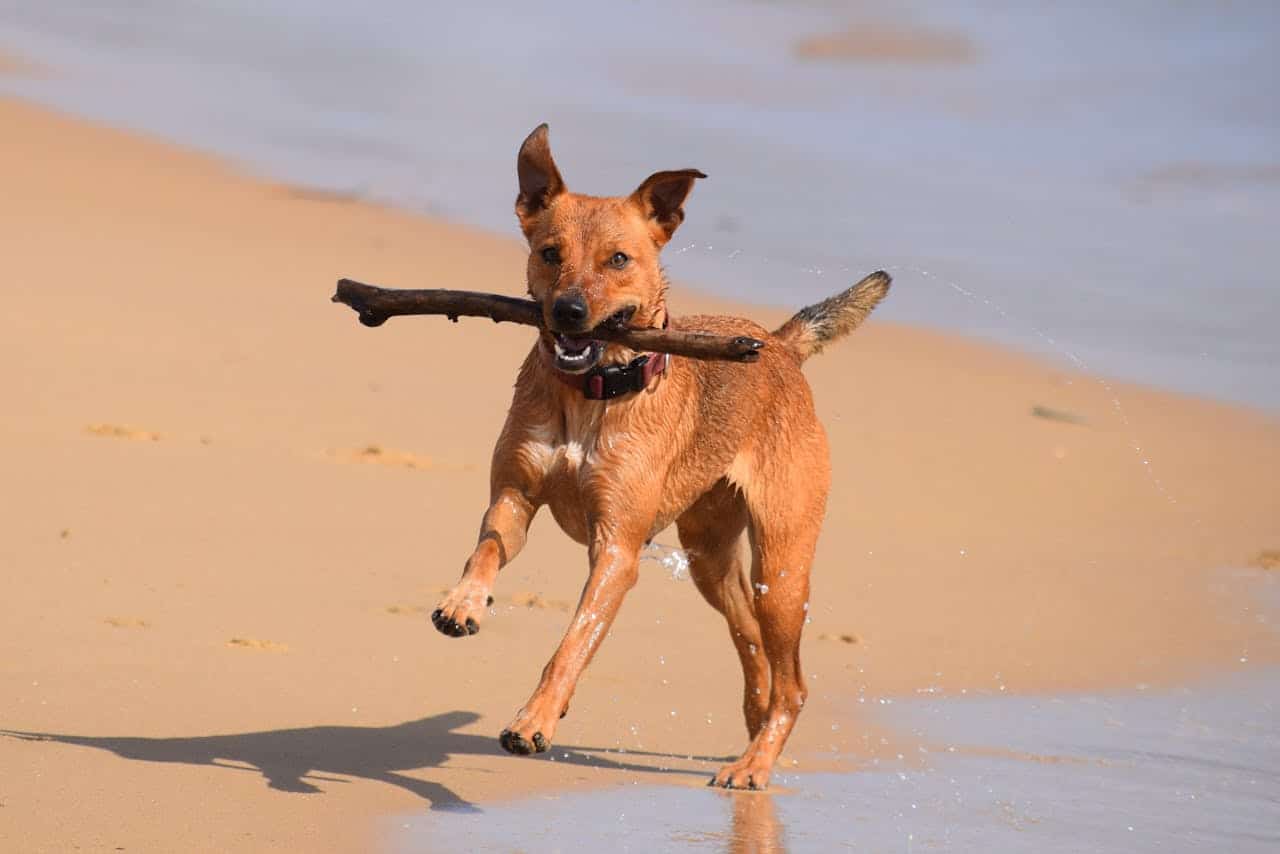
(717, 448)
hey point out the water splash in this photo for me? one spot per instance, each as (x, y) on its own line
(675, 560)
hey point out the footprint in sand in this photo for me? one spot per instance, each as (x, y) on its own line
(534, 600)
(119, 431)
(1267, 559)
(843, 638)
(378, 455)
(255, 643)
(127, 623)
(406, 610)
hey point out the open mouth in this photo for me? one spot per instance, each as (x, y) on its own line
(577, 355)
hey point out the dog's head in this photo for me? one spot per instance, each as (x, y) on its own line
(593, 260)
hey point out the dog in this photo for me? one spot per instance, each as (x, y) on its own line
(619, 445)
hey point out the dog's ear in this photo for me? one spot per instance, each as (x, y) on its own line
(540, 180)
(662, 196)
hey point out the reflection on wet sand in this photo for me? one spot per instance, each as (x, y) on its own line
(1184, 769)
(755, 828)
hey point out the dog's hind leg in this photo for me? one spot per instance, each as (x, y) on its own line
(502, 536)
(711, 533)
(786, 507)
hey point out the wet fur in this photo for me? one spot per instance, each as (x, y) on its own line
(720, 449)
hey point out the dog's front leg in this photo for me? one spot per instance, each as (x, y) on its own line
(502, 536)
(615, 559)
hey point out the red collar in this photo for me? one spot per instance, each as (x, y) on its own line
(605, 382)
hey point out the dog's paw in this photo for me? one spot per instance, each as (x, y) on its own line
(458, 615)
(746, 773)
(532, 729)
(450, 626)
(514, 742)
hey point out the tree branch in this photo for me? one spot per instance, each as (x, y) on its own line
(374, 305)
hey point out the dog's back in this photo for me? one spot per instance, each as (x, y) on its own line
(745, 412)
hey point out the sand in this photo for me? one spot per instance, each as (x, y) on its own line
(216, 592)
(871, 42)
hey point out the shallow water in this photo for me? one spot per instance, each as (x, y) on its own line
(1195, 769)
(1104, 177)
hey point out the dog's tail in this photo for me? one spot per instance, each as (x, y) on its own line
(815, 326)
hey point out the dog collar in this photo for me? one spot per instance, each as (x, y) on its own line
(605, 382)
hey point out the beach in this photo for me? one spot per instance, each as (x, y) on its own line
(229, 510)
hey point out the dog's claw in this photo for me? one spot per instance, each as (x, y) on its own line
(514, 742)
(451, 627)
(738, 783)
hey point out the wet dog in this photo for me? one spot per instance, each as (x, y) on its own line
(619, 445)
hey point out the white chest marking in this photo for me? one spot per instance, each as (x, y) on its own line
(548, 451)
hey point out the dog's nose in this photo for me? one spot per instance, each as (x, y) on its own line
(570, 311)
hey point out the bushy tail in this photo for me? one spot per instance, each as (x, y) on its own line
(817, 325)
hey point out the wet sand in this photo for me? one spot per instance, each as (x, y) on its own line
(1192, 769)
(214, 630)
(881, 43)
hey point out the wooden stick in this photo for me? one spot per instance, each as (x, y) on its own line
(374, 305)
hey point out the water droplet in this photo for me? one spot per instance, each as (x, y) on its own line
(676, 561)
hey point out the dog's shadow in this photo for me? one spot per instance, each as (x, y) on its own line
(289, 759)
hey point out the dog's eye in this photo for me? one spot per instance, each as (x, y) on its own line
(551, 255)
(618, 260)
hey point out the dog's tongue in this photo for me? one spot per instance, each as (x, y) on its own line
(575, 344)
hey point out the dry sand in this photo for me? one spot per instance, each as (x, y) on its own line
(215, 594)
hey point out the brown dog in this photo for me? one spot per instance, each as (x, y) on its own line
(621, 444)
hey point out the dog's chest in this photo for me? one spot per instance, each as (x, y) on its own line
(564, 461)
